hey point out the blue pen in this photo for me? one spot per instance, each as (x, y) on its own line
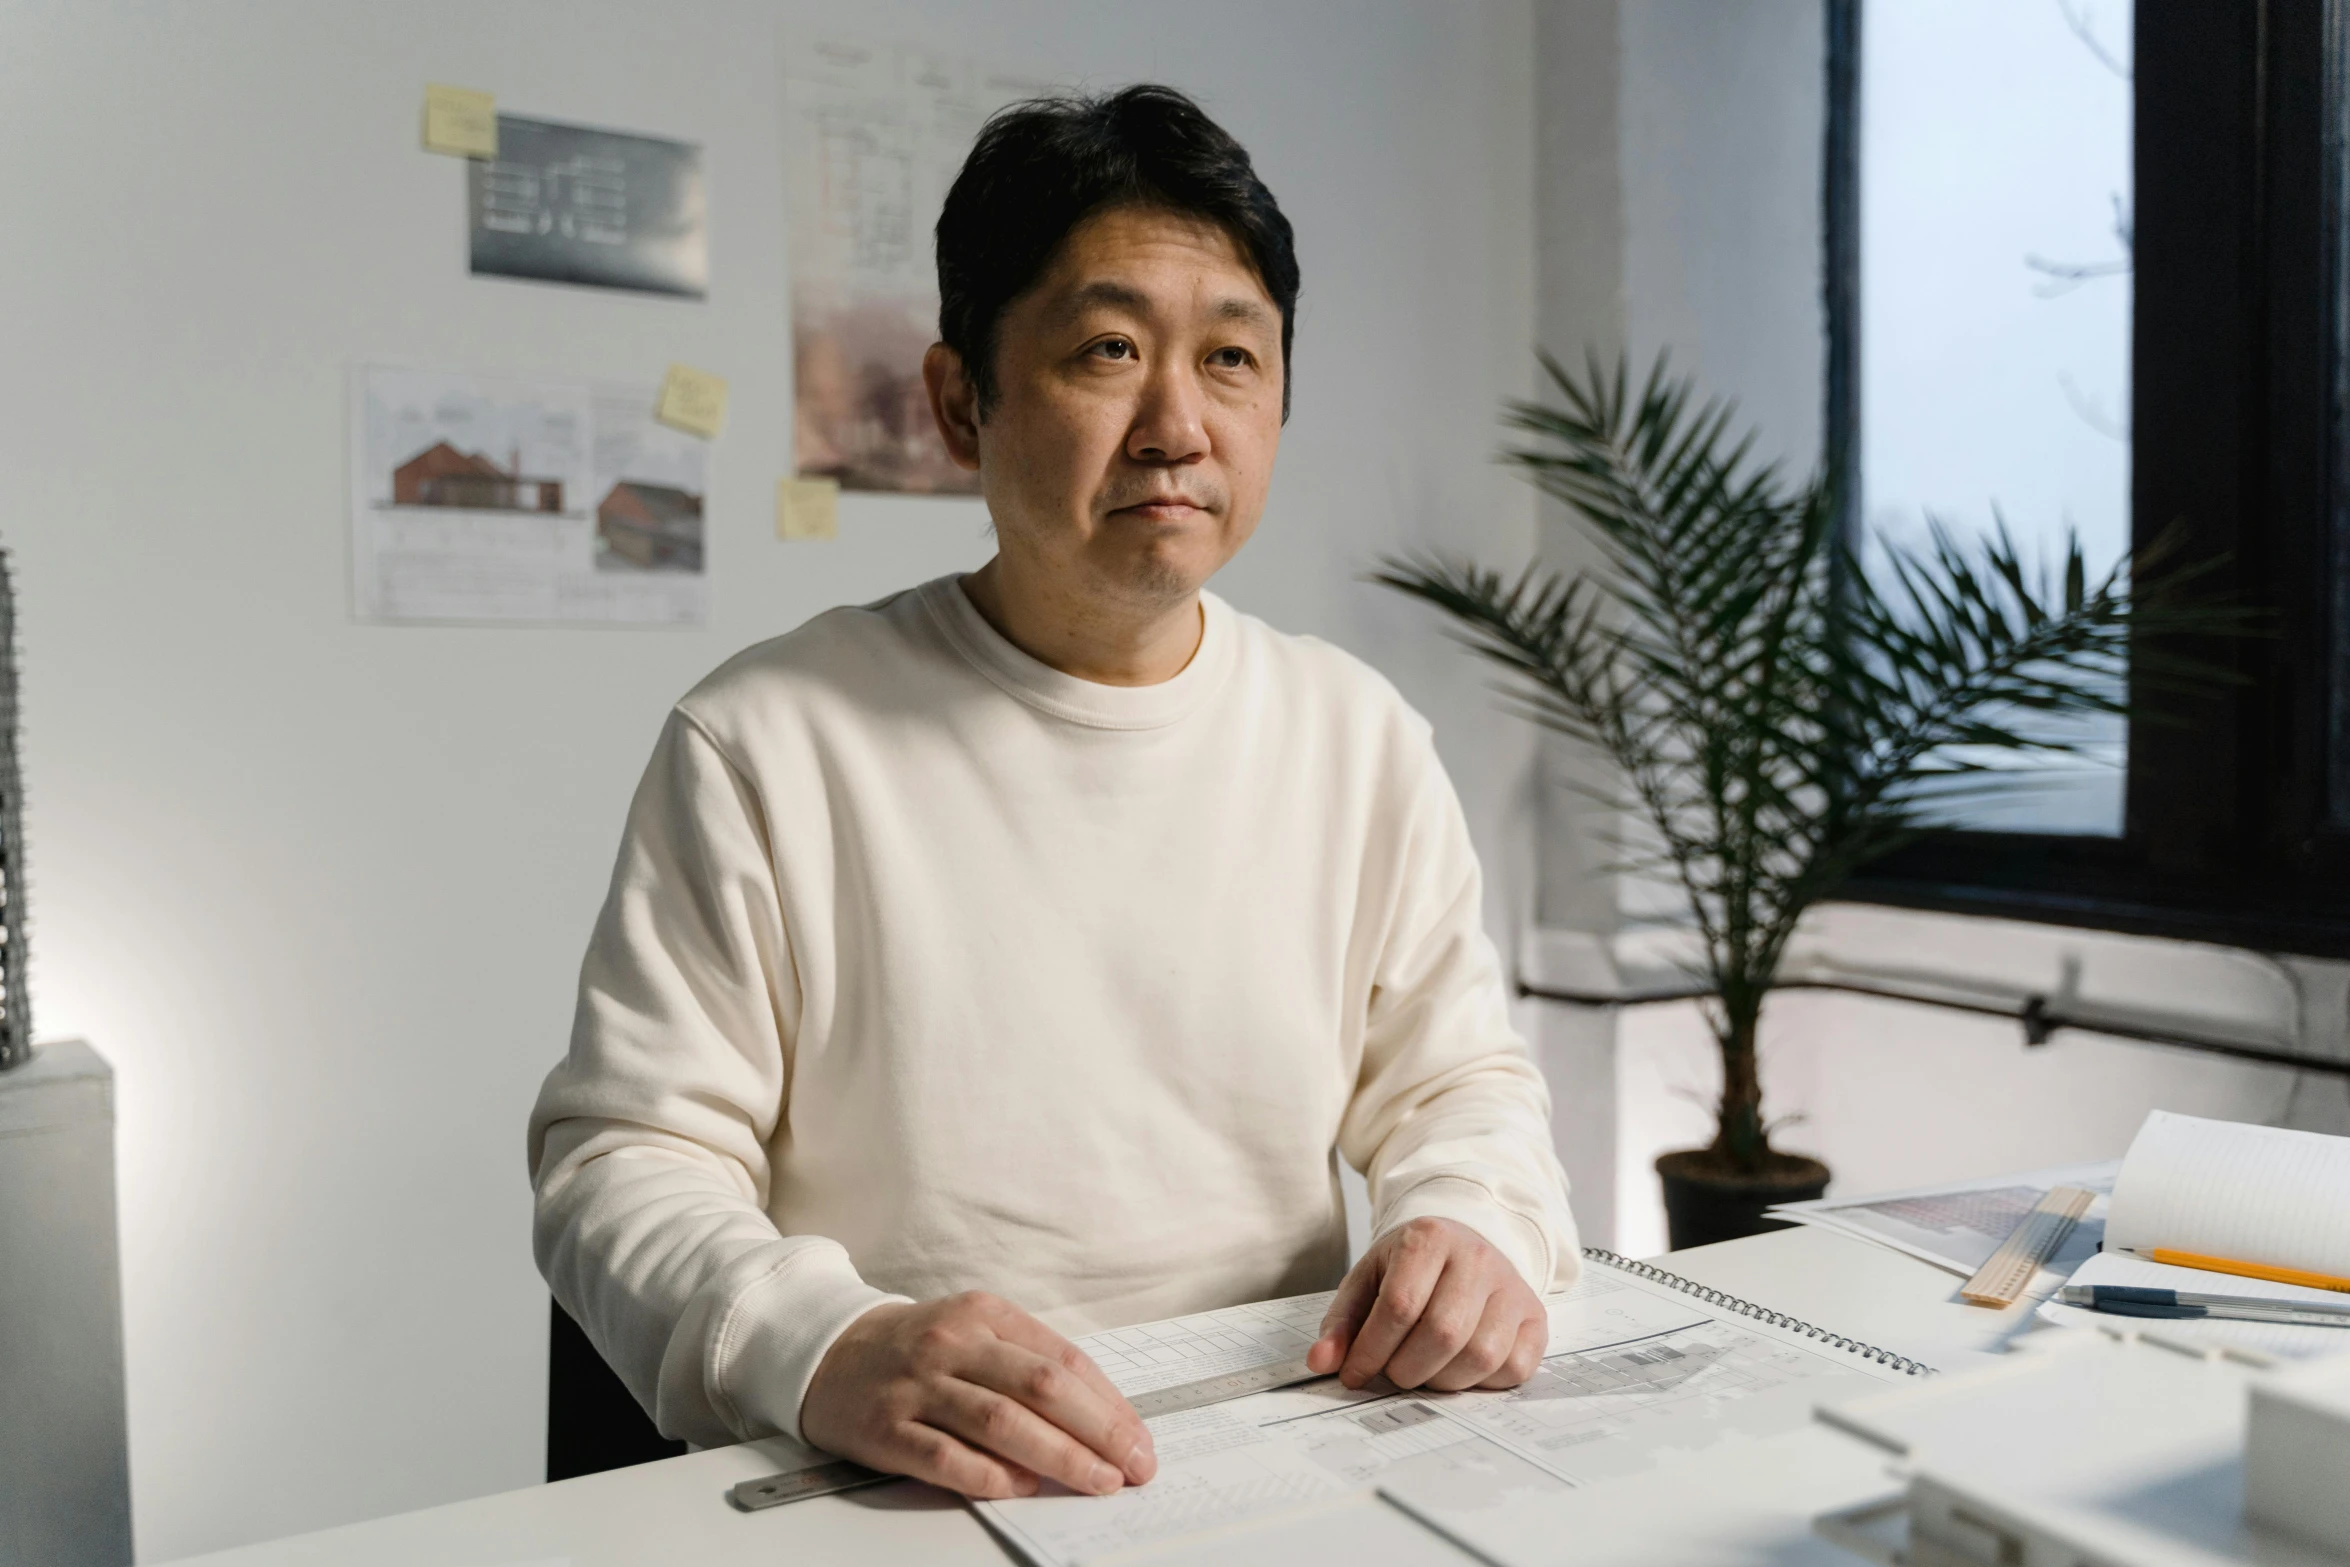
(2126, 1301)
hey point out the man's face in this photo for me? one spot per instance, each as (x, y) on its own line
(1138, 409)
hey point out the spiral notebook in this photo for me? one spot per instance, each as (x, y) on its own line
(1646, 1369)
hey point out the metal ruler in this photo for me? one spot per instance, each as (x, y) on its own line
(798, 1485)
(2008, 1272)
(1220, 1389)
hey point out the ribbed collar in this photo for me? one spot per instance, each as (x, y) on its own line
(1066, 696)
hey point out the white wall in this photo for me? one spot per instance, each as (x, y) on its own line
(1723, 110)
(1579, 306)
(318, 889)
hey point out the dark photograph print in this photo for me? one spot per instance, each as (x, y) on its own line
(571, 204)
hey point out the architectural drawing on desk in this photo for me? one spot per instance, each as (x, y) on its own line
(1620, 1410)
(1636, 1378)
(479, 499)
(1600, 1309)
(1586, 1418)
(1153, 1355)
(874, 135)
(1217, 1468)
(1959, 1225)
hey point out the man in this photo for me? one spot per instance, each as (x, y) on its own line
(1035, 941)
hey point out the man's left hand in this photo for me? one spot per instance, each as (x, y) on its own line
(1433, 1304)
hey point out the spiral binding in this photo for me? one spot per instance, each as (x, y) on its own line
(1747, 1308)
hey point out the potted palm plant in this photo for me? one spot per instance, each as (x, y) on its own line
(1777, 708)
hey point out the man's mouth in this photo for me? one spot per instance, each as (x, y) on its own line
(1161, 508)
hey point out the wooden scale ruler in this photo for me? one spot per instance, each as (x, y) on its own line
(2007, 1273)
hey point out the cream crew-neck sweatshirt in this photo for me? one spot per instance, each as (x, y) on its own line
(926, 967)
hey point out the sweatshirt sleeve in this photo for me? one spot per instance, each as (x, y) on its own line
(1450, 1117)
(648, 1146)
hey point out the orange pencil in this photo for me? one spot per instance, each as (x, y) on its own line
(2250, 1270)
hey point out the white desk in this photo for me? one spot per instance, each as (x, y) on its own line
(1867, 1292)
(675, 1512)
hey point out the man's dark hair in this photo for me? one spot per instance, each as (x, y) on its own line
(1042, 167)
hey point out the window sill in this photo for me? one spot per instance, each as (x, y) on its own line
(2192, 994)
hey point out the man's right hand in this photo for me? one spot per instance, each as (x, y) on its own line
(974, 1394)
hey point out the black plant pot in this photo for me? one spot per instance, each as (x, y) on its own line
(1705, 1204)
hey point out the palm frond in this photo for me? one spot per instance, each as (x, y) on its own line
(1781, 710)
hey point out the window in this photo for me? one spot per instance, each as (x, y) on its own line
(1994, 310)
(2220, 242)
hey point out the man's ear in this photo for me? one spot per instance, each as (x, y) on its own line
(954, 404)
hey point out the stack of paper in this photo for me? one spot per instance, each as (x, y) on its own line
(2261, 1199)
(1640, 1378)
(1959, 1225)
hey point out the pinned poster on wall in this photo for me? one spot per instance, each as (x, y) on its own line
(479, 499)
(574, 204)
(873, 137)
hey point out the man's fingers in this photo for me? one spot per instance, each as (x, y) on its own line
(1448, 1321)
(1093, 1436)
(1347, 1308)
(1005, 1428)
(1132, 1449)
(1410, 1278)
(1114, 1431)
(1018, 1327)
(1533, 1340)
(1488, 1348)
(927, 1453)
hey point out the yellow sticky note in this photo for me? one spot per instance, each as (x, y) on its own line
(692, 400)
(460, 122)
(807, 509)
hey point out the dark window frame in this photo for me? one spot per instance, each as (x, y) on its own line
(2237, 407)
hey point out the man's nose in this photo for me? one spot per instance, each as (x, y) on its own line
(1170, 426)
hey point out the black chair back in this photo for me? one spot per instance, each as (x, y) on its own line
(593, 1422)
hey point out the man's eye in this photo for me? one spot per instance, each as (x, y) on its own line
(1114, 348)
(1229, 358)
